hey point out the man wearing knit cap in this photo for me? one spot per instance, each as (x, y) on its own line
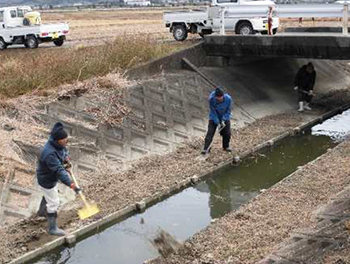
(220, 105)
(50, 170)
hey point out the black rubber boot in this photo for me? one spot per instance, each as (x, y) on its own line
(205, 151)
(42, 208)
(53, 229)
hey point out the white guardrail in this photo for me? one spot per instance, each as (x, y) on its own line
(290, 11)
(311, 10)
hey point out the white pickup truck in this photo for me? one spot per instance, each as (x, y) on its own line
(18, 27)
(240, 16)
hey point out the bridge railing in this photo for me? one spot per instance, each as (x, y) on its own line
(289, 11)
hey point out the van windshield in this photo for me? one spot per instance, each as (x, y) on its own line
(1, 16)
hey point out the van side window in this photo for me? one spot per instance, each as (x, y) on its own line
(13, 13)
(20, 12)
(1, 16)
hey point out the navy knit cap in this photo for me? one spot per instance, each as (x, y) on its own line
(219, 92)
(58, 131)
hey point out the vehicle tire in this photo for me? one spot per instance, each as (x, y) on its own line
(3, 44)
(274, 31)
(58, 42)
(245, 28)
(32, 42)
(180, 32)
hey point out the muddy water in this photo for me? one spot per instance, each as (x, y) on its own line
(188, 212)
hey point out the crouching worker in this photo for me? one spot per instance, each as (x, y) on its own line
(220, 104)
(51, 168)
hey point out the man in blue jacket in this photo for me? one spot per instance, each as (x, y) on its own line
(50, 170)
(220, 105)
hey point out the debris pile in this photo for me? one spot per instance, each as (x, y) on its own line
(166, 244)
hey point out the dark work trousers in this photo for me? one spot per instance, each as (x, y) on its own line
(225, 133)
(304, 97)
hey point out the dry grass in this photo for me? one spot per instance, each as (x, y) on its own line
(39, 70)
(107, 25)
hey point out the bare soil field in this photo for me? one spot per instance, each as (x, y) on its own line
(93, 27)
(97, 27)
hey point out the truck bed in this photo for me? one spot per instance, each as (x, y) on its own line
(192, 16)
(36, 29)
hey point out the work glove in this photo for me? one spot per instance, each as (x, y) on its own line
(296, 88)
(66, 163)
(75, 188)
(311, 92)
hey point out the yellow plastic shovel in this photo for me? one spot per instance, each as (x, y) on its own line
(89, 209)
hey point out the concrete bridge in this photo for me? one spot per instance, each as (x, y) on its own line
(302, 45)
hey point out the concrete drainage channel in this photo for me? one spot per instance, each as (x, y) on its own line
(189, 211)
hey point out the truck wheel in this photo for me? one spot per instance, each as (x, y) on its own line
(32, 42)
(274, 31)
(3, 44)
(58, 42)
(245, 28)
(180, 32)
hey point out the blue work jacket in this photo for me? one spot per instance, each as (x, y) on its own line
(50, 168)
(220, 111)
